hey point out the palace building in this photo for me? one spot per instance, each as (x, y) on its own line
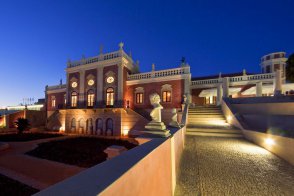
(106, 94)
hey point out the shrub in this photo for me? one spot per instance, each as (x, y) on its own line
(22, 125)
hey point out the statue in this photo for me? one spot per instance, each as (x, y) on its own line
(174, 122)
(156, 112)
(156, 127)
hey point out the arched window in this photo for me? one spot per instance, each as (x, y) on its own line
(73, 124)
(74, 99)
(109, 96)
(89, 126)
(99, 126)
(90, 98)
(109, 126)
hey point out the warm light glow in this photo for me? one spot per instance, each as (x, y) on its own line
(229, 119)
(125, 130)
(269, 141)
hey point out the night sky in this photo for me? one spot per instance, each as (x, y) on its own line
(37, 37)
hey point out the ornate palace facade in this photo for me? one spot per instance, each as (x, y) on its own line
(105, 94)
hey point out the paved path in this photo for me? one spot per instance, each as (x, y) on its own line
(232, 166)
(35, 172)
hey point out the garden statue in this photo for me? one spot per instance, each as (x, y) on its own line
(174, 122)
(156, 127)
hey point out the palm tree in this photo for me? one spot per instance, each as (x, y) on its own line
(22, 124)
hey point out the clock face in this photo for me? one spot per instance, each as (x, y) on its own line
(91, 82)
(74, 84)
(110, 79)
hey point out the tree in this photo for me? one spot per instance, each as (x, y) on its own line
(290, 68)
(22, 124)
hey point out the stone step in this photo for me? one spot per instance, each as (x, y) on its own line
(205, 113)
(194, 111)
(231, 135)
(209, 126)
(211, 130)
(207, 117)
(208, 121)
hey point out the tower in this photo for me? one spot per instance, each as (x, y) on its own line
(272, 62)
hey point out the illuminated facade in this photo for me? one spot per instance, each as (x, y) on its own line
(105, 94)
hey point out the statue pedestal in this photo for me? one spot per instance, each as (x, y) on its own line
(157, 128)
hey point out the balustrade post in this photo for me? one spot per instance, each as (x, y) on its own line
(259, 89)
(278, 83)
(226, 85)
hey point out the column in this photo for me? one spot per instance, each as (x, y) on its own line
(278, 83)
(259, 89)
(226, 86)
(120, 86)
(82, 89)
(219, 94)
(187, 88)
(67, 96)
(99, 92)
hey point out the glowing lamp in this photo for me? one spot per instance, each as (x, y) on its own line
(269, 141)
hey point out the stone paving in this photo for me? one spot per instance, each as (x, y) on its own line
(231, 166)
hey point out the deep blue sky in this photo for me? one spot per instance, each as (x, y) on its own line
(37, 37)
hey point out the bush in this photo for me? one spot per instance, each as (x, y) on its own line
(22, 125)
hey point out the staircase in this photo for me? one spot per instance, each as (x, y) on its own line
(209, 121)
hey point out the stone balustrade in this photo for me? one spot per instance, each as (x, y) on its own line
(101, 57)
(55, 87)
(161, 73)
(244, 78)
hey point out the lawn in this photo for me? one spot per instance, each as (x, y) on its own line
(82, 151)
(12, 187)
(13, 137)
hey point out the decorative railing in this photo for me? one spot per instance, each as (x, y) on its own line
(101, 57)
(252, 77)
(55, 87)
(209, 81)
(162, 73)
(244, 78)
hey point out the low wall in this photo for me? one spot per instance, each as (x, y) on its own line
(149, 169)
(281, 146)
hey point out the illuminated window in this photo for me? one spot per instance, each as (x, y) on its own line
(109, 97)
(53, 102)
(65, 99)
(74, 99)
(166, 96)
(90, 98)
(139, 98)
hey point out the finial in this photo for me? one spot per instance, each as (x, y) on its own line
(153, 67)
(83, 56)
(68, 62)
(130, 53)
(244, 72)
(60, 82)
(220, 74)
(121, 45)
(137, 62)
(101, 49)
(183, 60)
